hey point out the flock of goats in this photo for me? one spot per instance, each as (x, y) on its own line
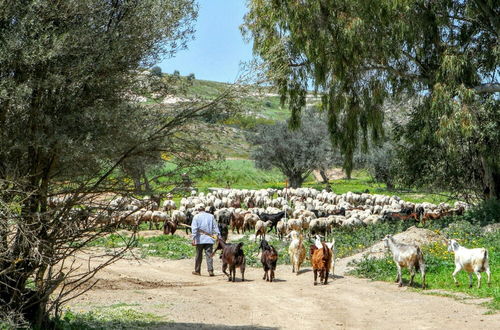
(295, 212)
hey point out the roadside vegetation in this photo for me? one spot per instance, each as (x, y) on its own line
(163, 246)
(440, 263)
(118, 316)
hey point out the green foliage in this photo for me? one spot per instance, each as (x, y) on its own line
(247, 122)
(358, 54)
(381, 164)
(68, 120)
(156, 71)
(485, 213)
(166, 246)
(296, 153)
(112, 317)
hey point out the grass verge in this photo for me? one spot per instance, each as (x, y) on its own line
(112, 317)
(440, 265)
(164, 246)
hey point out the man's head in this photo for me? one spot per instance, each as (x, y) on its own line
(200, 207)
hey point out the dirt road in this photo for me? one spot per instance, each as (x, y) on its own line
(167, 288)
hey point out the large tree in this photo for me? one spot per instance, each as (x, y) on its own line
(358, 53)
(69, 72)
(296, 153)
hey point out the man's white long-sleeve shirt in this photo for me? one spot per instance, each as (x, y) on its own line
(206, 222)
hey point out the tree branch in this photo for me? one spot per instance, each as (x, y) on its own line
(488, 88)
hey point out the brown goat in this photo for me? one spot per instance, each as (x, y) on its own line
(269, 259)
(321, 260)
(237, 221)
(169, 227)
(232, 256)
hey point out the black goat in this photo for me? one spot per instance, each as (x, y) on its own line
(224, 231)
(189, 220)
(274, 218)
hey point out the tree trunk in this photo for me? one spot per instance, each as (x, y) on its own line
(147, 187)
(390, 186)
(324, 177)
(491, 179)
(137, 183)
(295, 181)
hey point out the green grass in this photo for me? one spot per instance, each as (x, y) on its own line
(241, 174)
(440, 265)
(163, 246)
(118, 316)
(362, 182)
(351, 240)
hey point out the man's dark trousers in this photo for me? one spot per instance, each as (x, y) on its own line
(199, 257)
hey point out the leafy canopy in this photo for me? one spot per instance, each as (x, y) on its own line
(296, 153)
(357, 53)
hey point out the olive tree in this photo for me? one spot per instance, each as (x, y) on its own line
(295, 152)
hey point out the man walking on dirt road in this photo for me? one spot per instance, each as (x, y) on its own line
(203, 228)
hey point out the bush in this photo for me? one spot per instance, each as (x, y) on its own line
(484, 214)
(247, 122)
(156, 71)
(381, 164)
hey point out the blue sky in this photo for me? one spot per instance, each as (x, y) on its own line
(218, 47)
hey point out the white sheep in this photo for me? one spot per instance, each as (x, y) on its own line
(261, 229)
(470, 260)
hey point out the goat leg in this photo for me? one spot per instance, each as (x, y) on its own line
(315, 276)
(478, 274)
(326, 277)
(412, 275)
(457, 269)
(224, 267)
(399, 275)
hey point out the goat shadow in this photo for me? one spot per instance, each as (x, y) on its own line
(275, 280)
(302, 271)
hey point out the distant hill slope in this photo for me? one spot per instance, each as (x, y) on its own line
(259, 105)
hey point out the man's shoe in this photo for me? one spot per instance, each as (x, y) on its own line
(211, 273)
(196, 273)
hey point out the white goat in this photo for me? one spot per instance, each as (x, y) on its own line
(408, 256)
(296, 251)
(470, 260)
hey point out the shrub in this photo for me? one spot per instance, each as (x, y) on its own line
(156, 71)
(486, 213)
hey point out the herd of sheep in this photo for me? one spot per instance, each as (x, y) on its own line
(294, 212)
